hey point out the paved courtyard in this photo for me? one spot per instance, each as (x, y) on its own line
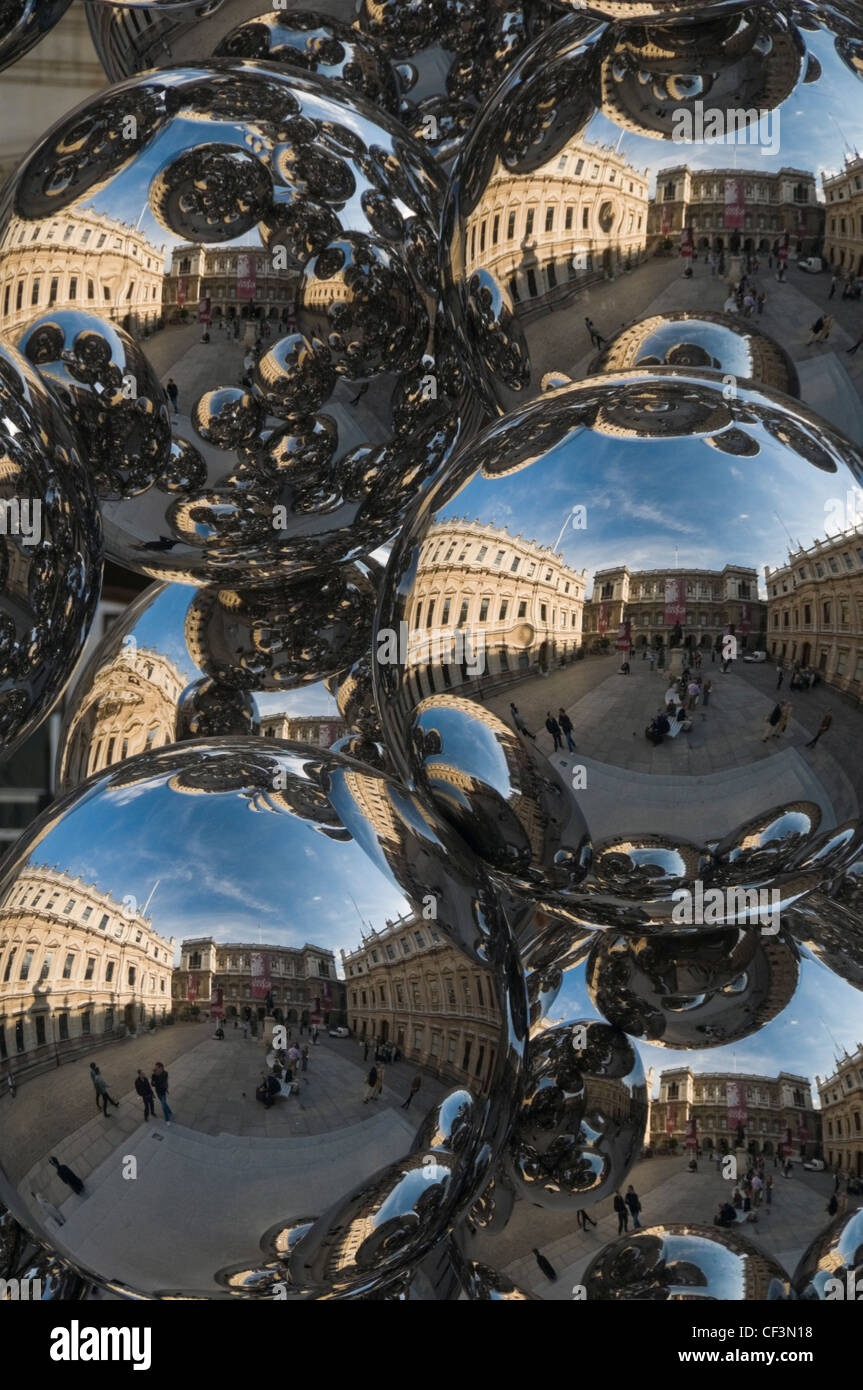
(668, 1193)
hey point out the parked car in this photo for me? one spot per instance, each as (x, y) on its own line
(815, 1165)
(754, 656)
(811, 263)
(340, 1033)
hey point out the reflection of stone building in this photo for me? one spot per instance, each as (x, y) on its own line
(77, 968)
(715, 600)
(513, 602)
(212, 272)
(815, 609)
(408, 986)
(81, 260)
(319, 730)
(773, 204)
(583, 212)
(843, 229)
(773, 1105)
(842, 1113)
(302, 980)
(130, 708)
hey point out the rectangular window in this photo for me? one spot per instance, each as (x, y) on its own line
(85, 1021)
(19, 1035)
(34, 294)
(63, 1027)
(585, 218)
(40, 1030)
(549, 219)
(568, 219)
(465, 1065)
(46, 965)
(495, 229)
(531, 214)
(132, 976)
(109, 972)
(73, 287)
(510, 226)
(91, 966)
(504, 605)
(67, 967)
(86, 914)
(483, 609)
(52, 293)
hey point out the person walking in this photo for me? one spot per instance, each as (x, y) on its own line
(780, 676)
(103, 1094)
(822, 729)
(622, 1214)
(705, 694)
(826, 329)
(545, 1265)
(814, 331)
(159, 1081)
(582, 1220)
(768, 1191)
(771, 721)
(145, 1091)
(48, 1208)
(632, 1201)
(693, 691)
(833, 283)
(415, 1085)
(94, 1072)
(652, 661)
(565, 724)
(379, 1084)
(371, 1084)
(757, 1189)
(783, 719)
(67, 1176)
(762, 299)
(245, 1030)
(519, 722)
(173, 395)
(304, 1059)
(554, 729)
(596, 338)
(833, 1204)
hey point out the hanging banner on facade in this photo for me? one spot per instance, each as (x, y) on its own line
(675, 602)
(735, 1097)
(261, 982)
(216, 1003)
(205, 310)
(670, 1117)
(603, 618)
(667, 219)
(192, 988)
(691, 1133)
(246, 277)
(734, 204)
(687, 241)
(624, 636)
(330, 734)
(181, 293)
(745, 617)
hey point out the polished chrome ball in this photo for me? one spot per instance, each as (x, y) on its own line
(321, 389)
(832, 1268)
(639, 170)
(184, 663)
(50, 550)
(675, 1262)
(243, 863)
(23, 23)
(583, 1118)
(590, 521)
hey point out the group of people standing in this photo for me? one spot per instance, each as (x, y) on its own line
(156, 1087)
(560, 727)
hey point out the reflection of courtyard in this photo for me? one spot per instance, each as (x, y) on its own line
(226, 1169)
(702, 783)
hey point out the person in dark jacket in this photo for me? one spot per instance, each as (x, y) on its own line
(67, 1176)
(622, 1214)
(415, 1085)
(102, 1091)
(554, 729)
(371, 1084)
(634, 1205)
(545, 1265)
(160, 1086)
(565, 723)
(145, 1091)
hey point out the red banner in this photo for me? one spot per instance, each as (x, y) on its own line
(624, 636)
(675, 601)
(745, 618)
(216, 998)
(192, 989)
(691, 1134)
(261, 981)
(246, 277)
(735, 1095)
(734, 203)
(181, 293)
(670, 1117)
(329, 734)
(667, 219)
(687, 241)
(603, 618)
(205, 312)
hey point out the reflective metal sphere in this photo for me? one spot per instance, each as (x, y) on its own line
(654, 156)
(242, 865)
(50, 550)
(582, 1121)
(185, 663)
(832, 1268)
(676, 1262)
(298, 223)
(23, 23)
(587, 520)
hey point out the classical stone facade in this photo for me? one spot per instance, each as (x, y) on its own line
(583, 212)
(83, 261)
(843, 230)
(779, 1110)
(130, 708)
(77, 968)
(715, 600)
(302, 981)
(320, 730)
(773, 204)
(815, 610)
(842, 1114)
(212, 272)
(508, 602)
(406, 985)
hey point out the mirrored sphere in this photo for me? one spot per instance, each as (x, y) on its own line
(184, 663)
(23, 23)
(577, 646)
(634, 171)
(50, 550)
(318, 392)
(676, 1262)
(190, 983)
(832, 1267)
(582, 1120)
